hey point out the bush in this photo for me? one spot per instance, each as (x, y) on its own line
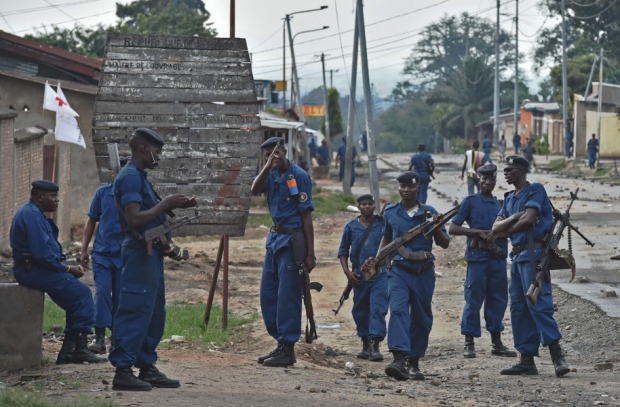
(460, 145)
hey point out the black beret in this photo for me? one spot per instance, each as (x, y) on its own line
(272, 143)
(408, 177)
(44, 185)
(123, 160)
(421, 146)
(516, 161)
(149, 137)
(364, 198)
(489, 170)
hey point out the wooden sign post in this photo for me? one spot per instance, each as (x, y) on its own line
(198, 94)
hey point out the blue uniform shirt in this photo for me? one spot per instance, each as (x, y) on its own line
(592, 146)
(533, 195)
(420, 162)
(34, 234)
(130, 186)
(342, 152)
(109, 235)
(486, 145)
(397, 221)
(480, 213)
(323, 155)
(352, 237)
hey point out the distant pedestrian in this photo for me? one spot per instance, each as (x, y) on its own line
(473, 160)
(341, 159)
(322, 154)
(516, 142)
(568, 144)
(528, 153)
(592, 151)
(487, 144)
(502, 148)
(423, 164)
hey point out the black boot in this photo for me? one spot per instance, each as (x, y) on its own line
(470, 348)
(366, 350)
(82, 354)
(413, 368)
(526, 366)
(557, 356)
(66, 351)
(398, 368)
(155, 378)
(124, 379)
(98, 346)
(262, 358)
(375, 355)
(284, 358)
(499, 348)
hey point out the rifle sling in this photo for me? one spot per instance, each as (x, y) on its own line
(530, 248)
(358, 253)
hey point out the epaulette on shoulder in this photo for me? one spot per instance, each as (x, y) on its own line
(506, 194)
(388, 206)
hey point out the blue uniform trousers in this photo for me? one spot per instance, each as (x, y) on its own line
(68, 292)
(341, 172)
(141, 315)
(107, 289)
(591, 158)
(487, 157)
(280, 295)
(370, 306)
(486, 282)
(423, 192)
(531, 325)
(411, 314)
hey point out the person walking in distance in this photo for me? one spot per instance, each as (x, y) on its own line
(360, 240)
(473, 160)
(422, 163)
(592, 151)
(487, 145)
(486, 281)
(502, 148)
(526, 217)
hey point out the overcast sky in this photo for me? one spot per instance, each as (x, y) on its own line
(392, 28)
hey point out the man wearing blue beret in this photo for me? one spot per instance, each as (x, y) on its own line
(107, 263)
(527, 216)
(290, 247)
(486, 281)
(411, 279)
(360, 240)
(138, 323)
(38, 263)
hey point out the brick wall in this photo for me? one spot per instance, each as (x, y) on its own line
(28, 159)
(6, 182)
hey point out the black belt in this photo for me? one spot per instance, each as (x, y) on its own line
(411, 270)
(518, 249)
(286, 231)
(26, 265)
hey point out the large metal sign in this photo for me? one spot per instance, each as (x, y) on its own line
(198, 94)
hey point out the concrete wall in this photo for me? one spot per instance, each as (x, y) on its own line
(84, 176)
(610, 131)
(21, 329)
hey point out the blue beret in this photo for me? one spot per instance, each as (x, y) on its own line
(489, 170)
(123, 160)
(272, 143)
(408, 177)
(364, 198)
(516, 161)
(149, 137)
(44, 185)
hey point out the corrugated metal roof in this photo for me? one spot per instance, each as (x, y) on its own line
(78, 87)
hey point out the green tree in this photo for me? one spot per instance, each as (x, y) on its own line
(82, 40)
(335, 117)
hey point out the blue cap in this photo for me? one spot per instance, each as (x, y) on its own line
(489, 170)
(272, 143)
(516, 161)
(123, 160)
(149, 137)
(409, 177)
(45, 185)
(365, 198)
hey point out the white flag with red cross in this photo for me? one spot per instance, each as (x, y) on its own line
(53, 101)
(67, 128)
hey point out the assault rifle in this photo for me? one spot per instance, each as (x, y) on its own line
(343, 298)
(369, 270)
(554, 258)
(307, 285)
(158, 233)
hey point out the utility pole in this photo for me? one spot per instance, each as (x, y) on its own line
(284, 68)
(585, 94)
(327, 132)
(516, 95)
(346, 182)
(232, 18)
(565, 80)
(496, 88)
(600, 99)
(370, 132)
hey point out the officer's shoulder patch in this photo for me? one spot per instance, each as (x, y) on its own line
(303, 197)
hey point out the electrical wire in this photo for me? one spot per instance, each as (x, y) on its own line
(613, 3)
(64, 22)
(267, 39)
(34, 9)
(7, 23)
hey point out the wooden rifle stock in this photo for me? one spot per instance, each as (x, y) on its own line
(310, 324)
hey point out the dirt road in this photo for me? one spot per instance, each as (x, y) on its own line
(231, 377)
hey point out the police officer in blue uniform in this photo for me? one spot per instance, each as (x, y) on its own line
(487, 144)
(106, 255)
(360, 240)
(290, 246)
(527, 216)
(486, 279)
(423, 164)
(411, 281)
(341, 159)
(138, 324)
(38, 263)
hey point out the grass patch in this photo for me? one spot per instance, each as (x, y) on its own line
(394, 198)
(255, 221)
(326, 203)
(601, 171)
(22, 398)
(181, 319)
(557, 164)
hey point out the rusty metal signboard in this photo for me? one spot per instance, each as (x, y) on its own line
(198, 94)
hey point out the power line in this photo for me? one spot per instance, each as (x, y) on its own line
(34, 9)
(64, 22)
(268, 38)
(613, 3)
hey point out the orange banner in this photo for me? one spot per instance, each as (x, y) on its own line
(310, 110)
